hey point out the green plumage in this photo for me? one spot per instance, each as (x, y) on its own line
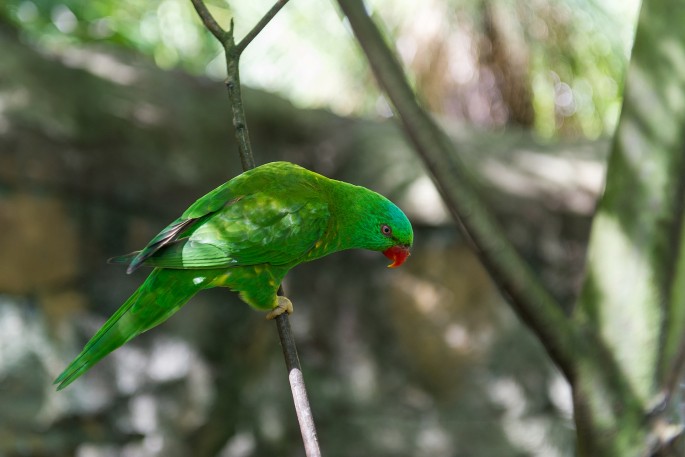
(246, 235)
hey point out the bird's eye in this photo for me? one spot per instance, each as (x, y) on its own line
(386, 230)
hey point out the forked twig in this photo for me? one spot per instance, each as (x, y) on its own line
(233, 52)
(208, 20)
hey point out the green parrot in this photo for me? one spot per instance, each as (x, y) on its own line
(246, 235)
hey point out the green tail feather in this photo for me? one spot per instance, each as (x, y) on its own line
(160, 296)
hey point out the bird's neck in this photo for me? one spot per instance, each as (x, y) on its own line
(349, 208)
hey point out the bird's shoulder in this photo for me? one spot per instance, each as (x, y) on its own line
(281, 183)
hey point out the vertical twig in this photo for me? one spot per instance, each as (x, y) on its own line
(298, 388)
(233, 52)
(236, 98)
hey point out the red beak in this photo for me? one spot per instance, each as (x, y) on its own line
(398, 254)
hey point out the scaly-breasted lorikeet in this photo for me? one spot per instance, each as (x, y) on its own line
(245, 235)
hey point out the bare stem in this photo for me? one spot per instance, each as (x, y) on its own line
(232, 52)
(298, 388)
(236, 98)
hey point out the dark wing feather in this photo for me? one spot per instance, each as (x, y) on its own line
(166, 236)
(214, 201)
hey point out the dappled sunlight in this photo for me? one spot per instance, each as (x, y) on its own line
(525, 431)
(175, 25)
(434, 440)
(674, 53)
(136, 372)
(101, 65)
(427, 295)
(27, 358)
(12, 326)
(457, 337)
(10, 101)
(571, 182)
(64, 19)
(626, 289)
(130, 367)
(363, 378)
(439, 314)
(674, 98)
(443, 324)
(561, 396)
(423, 201)
(148, 114)
(144, 413)
(637, 132)
(584, 175)
(170, 360)
(242, 444)
(270, 422)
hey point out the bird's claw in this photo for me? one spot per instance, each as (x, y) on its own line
(284, 306)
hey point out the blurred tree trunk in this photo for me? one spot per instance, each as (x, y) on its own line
(623, 348)
(633, 297)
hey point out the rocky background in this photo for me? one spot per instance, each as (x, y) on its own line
(99, 150)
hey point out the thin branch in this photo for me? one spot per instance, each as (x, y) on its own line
(247, 39)
(235, 96)
(298, 388)
(232, 81)
(533, 303)
(208, 20)
(292, 361)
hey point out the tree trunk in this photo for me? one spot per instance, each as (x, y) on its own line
(633, 297)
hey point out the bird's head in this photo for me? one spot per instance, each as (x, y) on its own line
(389, 231)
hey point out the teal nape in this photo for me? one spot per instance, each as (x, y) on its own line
(246, 235)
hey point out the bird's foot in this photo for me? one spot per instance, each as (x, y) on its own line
(284, 306)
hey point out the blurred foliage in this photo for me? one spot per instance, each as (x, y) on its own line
(553, 66)
(168, 31)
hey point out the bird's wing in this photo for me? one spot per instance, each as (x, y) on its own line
(222, 230)
(274, 228)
